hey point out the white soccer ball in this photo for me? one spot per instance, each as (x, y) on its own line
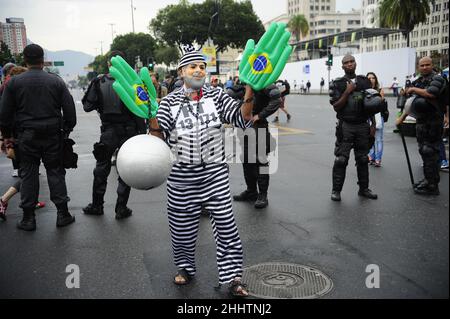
(144, 162)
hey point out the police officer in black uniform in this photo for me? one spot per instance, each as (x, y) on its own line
(353, 129)
(266, 102)
(429, 108)
(118, 125)
(31, 105)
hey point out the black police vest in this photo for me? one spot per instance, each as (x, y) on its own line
(110, 103)
(353, 111)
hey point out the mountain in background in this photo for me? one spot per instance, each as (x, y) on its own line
(74, 62)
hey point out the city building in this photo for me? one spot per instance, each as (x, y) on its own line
(322, 18)
(310, 8)
(429, 38)
(13, 33)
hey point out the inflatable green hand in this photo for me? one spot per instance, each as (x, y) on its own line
(136, 91)
(262, 65)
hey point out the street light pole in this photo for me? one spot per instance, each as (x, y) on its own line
(112, 31)
(132, 14)
(101, 47)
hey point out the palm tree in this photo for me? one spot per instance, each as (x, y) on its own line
(299, 26)
(404, 14)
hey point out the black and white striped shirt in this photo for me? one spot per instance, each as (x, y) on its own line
(193, 129)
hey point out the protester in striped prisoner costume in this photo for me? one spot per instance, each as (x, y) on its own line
(190, 120)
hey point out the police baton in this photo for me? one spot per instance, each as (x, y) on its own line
(407, 154)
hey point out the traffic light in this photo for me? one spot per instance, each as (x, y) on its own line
(151, 64)
(329, 60)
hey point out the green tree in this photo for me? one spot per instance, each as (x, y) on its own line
(99, 65)
(235, 23)
(167, 55)
(299, 26)
(83, 81)
(91, 75)
(175, 24)
(5, 53)
(19, 59)
(135, 44)
(404, 14)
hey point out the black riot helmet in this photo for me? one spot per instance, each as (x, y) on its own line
(373, 102)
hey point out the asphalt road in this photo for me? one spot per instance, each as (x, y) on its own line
(405, 235)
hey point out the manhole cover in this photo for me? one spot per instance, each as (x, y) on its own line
(286, 281)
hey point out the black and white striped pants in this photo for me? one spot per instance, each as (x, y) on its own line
(184, 207)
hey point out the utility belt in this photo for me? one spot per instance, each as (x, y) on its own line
(353, 121)
(40, 129)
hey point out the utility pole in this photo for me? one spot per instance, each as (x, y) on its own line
(101, 47)
(112, 31)
(132, 14)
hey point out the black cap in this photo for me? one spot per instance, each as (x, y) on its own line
(33, 51)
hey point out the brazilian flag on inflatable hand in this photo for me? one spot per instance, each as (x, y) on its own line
(137, 92)
(261, 65)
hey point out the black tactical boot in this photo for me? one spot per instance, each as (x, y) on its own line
(367, 193)
(246, 195)
(336, 196)
(429, 189)
(28, 221)
(123, 212)
(421, 184)
(261, 201)
(63, 216)
(92, 209)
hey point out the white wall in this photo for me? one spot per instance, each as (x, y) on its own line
(385, 64)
